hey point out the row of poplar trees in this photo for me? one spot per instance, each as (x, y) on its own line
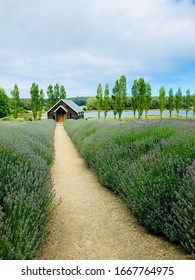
(54, 94)
(141, 99)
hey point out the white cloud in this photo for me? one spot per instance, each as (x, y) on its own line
(83, 42)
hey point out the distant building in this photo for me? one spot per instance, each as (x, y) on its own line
(65, 109)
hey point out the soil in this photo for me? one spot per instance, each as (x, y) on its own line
(91, 223)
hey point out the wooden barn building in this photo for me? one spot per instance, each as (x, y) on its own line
(65, 109)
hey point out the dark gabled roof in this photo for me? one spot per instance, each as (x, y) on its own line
(70, 104)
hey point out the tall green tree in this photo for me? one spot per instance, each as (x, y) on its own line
(141, 96)
(91, 103)
(15, 101)
(162, 100)
(41, 103)
(187, 102)
(171, 102)
(56, 93)
(193, 104)
(148, 99)
(178, 101)
(106, 100)
(34, 92)
(62, 92)
(121, 95)
(4, 104)
(99, 99)
(114, 98)
(50, 94)
(134, 99)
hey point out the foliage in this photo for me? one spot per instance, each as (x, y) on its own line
(26, 153)
(41, 104)
(114, 98)
(134, 100)
(4, 104)
(34, 92)
(162, 100)
(193, 104)
(55, 94)
(151, 165)
(121, 95)
(91, 103)
(178, 101)
(15, 101)
(170, 102)
(99, 99)
(106, 100)
(141, 95)
(148, 99)
(187, 102)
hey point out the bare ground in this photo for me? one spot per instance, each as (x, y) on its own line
(91, 223)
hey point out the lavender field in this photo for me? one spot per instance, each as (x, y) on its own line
(151, 164)
(26, 154)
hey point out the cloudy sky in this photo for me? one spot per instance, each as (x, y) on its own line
(80, 43)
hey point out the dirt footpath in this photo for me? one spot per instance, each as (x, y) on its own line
(91, 223)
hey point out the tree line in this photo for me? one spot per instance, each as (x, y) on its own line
(141, 100)
(37, 102)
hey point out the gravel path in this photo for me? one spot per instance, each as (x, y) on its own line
(91, 222)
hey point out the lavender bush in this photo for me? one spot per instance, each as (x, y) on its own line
(151, 165)
(26, 153)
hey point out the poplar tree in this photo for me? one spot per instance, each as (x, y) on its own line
(121, 95)
(41, 103)
(106, 100)
(134, 93)
(50, 100)
(187, 102)
(99, 99)
(162, 100)
(56, 93)
(178, 101)
(114, 98)
(62, 92)
(148, 99)
(141, 96)
(34, 91)
(193, 104)
(15, 101)
(171, 102)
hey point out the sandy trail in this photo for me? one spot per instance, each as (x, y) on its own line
(91, 222)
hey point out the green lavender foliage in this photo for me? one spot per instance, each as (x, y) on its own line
(26, 154)
(151, 165)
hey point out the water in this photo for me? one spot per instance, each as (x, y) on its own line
(130, 114)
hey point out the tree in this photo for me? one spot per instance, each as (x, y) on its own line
(148, 99)
(15, 101)
(41, 103)
(187, 102)
(170, 102)
(141, 96)
(162, 100)
(62, 92)
(121, 95)
(56, 93)
(50, 94)
(4, 104)
(114, 98)
(91, 103)
(106, 100)
(193, 104)
(178, 100)
(134, 99)
(99, 99)
(34, 91)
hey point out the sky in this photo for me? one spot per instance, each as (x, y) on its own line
(81, 43)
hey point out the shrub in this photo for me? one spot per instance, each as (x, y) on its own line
(26, 153)
(151, 165)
